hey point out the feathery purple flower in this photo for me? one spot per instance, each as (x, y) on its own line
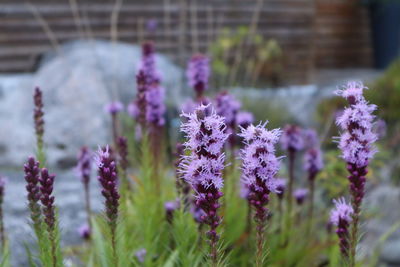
(356, 143)
(341, 216)
(259, 168)
(203, 168)
(198, 73)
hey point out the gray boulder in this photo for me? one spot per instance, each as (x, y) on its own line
(76, 83)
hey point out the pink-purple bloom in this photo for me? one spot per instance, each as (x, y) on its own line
(244, 119)
(114, 107)
(198, 73)
(300, 195)
(292, 138)
(341, 216)
(84, 231)
(202, 169)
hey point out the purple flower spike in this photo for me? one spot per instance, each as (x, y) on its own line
(341, 217)
(84, 231)
(114, 107)
(300, 195)
(84, 164)
(155, 107)
(313, 163)
(228, 107)
(141, 103)
(46, 188)
(38, 116)
(108, 180)
(259, 167)
(244, 119)
(203, 168)
(31, 169)
(292, 138)
(356, 144)
(198, 73)
(148, 64)
(122, 144)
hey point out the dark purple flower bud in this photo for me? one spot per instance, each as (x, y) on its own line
(38, 116)
(122, 144)
(292, 138)
(198, 73)
(108, 180)
(31, 169)
(300, 195)
(84, 231)
(47, 199)
(114, 107)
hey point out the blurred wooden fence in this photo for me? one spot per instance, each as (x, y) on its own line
(312, 33)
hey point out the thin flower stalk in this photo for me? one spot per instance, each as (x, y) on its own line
(84, 169)
(38, 118)
(2, 233)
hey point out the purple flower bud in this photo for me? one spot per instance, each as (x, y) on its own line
(313, 162)
(46, 181)
(84, 164)
(84, 231)
(114, 107)
(198, 73)
(31, 169)
(280, 187)
(292, 138)
(244, 119)
(148, 65)
(227, 107)
(300, 195)
(341, 217)
(141, 255)
(122, 144)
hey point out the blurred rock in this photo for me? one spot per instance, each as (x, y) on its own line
(383, 203)
(76, 84)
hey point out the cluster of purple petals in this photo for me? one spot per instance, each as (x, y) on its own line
(155, 107)
(228, 107)
(206, 137)
(341, 216)
(141, 255)
(300, 195)
(198, 73)
(114, 107)
(260, 165)
(46, 181)
(107, 176)
(244, 119)
(84, 165)
(148, 64)
(292, 138)
(202, 169)
(356, 121)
